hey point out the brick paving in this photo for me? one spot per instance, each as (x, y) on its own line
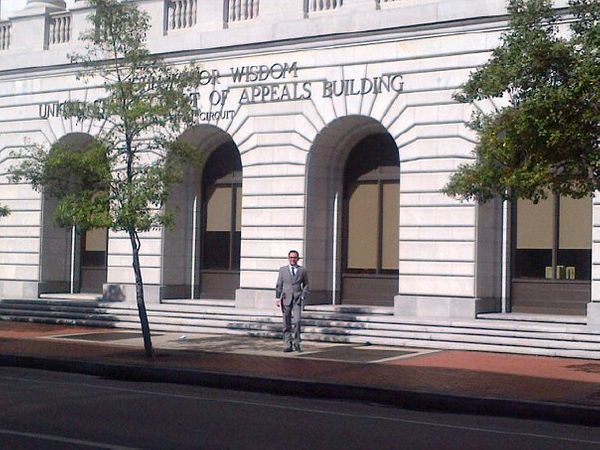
(517, 378)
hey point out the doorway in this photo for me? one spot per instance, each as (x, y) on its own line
(201, 252)
(221, 223)
(352, 214)
(71, 261)
(93, 256)
(370, 222)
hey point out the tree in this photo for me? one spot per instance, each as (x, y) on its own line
(547, 137)
(122, 179)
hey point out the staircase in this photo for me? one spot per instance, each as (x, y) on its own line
(345, 324)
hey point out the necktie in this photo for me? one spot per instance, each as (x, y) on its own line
(293, 271)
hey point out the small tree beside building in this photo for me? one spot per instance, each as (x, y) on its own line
(547, 137)
(121, 180)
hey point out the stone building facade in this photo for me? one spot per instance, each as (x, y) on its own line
(328, 127)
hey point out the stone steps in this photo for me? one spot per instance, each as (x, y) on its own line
(349, 325)
(351, 309)
(504, 326)
(530, 317)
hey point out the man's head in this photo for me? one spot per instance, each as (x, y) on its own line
(293, 257)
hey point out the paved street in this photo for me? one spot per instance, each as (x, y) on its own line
(55, 410)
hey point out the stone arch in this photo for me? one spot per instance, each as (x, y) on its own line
(325, 212)
(183, 274)
(63, 255)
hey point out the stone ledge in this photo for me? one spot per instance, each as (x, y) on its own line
(443, 307)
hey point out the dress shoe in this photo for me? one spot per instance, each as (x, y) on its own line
(288, 349)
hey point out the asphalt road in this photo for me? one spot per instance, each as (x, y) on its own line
(53, 410)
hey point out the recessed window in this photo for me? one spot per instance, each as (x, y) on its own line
(371, 196)
(554, 239)
(222, 187)
(94, 243)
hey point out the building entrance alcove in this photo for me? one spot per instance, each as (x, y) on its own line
(353, 214)
(552, 255)
(72, 261)
(201, 253)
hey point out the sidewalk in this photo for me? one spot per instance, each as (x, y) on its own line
(558, 389)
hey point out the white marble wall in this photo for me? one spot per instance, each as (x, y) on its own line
(439, 241)
(275, 139)
(594, 307)
(21, 232)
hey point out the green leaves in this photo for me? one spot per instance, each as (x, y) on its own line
(79, 177)
(4, 211)
(547, 137)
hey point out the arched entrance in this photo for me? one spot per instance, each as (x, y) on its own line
(201, 254)
(72, 261)
(370, 222)
(353, 213)
(221, 223)
(552, 255)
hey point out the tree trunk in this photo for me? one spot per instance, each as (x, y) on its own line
(139, 293)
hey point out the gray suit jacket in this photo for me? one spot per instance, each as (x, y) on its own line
(288, 289)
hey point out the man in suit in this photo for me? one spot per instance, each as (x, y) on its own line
(290, 291)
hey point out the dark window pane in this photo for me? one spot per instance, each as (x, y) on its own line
(93, 259)
(216, 250)
(237, 243)
(574, 264)
(532, 263)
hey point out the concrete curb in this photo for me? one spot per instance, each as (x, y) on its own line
(414, 400)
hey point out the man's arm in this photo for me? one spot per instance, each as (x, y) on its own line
(305, 285)
(279, 289)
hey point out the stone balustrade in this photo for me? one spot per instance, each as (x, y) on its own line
(182, 25)
(59, 29)
(240, 10)
(181, 14)
(5, 35)
(324, 5)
